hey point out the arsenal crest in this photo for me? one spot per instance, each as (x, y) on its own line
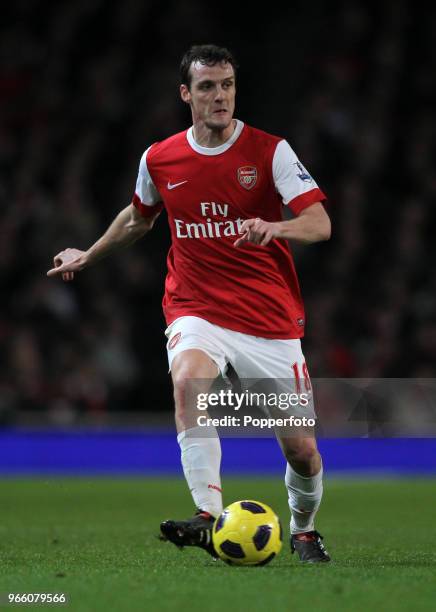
(247, 176)
(174, 340)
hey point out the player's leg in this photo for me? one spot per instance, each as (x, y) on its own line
(303, 481)
(283, 360)
(195, 358)
(193, 372)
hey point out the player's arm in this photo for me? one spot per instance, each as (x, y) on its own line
(127, 227)
(311, 225)
(301, 194)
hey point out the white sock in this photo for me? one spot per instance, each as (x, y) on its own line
(201, 459)
(305, 493)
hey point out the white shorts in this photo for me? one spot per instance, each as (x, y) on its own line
(250, 356)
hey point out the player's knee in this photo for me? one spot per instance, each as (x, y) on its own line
(180, 381)
(184, 382)
(193, 372)
(189, 381)
(180, 396)
(192, 364)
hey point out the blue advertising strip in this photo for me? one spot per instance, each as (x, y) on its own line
(146, 452)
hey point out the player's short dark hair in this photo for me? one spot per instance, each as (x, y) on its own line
(209, 55)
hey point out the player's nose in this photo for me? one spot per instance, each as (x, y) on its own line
(219, 93)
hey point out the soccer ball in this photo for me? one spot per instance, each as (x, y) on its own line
(247, 533)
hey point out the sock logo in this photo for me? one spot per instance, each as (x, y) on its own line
(174, 340)
(211, 486)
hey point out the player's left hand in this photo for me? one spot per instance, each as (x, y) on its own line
(256, 231)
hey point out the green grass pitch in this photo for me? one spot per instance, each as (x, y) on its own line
(96, 541)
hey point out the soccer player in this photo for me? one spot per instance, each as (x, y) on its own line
(231, 294)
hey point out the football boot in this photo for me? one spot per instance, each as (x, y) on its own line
(309, 547)
(196, 531)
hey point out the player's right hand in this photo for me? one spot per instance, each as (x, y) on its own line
(67, 263)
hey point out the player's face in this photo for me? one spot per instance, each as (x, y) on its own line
(211, 94)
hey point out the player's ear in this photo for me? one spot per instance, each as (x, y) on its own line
(185, 94)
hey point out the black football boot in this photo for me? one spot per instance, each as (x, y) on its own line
(309, 547)
(196, 531)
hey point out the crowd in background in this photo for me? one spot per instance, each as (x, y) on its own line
(86, 86)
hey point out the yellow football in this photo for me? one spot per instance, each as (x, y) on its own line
(247, 532)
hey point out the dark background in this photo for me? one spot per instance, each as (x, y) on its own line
(86, 86)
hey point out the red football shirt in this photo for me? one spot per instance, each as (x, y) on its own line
(208, 193)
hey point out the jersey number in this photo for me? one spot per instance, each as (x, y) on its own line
(307, 383)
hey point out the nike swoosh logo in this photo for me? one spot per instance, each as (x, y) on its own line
(169, 186)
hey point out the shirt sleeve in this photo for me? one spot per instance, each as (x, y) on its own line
(146, 197)
(292, 181)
